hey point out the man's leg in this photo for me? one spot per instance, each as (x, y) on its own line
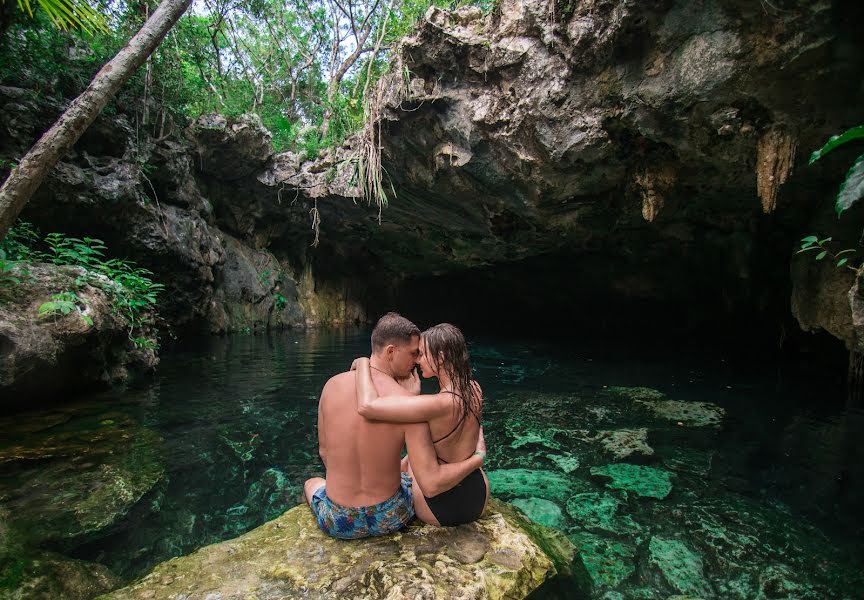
(310, 487)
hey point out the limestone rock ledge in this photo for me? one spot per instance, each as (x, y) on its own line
(87, 347)
(289, 557)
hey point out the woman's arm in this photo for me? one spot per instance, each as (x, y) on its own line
(433, 478)
(398, 409)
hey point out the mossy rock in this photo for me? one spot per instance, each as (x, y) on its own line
(534, 483)
(646, 482)
(51, 576)
(289, 557)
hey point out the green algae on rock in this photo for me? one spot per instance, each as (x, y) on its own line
(540, 511)
(94, 473)
(566, 462)
(290, 557)
(50, 576)
(534, 483)
(680, 567)
(596, 510)
(646, 482)
(606, 562)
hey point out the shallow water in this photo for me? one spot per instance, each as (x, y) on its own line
(765, 499)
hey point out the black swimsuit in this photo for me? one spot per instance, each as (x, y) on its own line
(463, 503)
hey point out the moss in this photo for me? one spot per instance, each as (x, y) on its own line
(646, 482)
(494, 557)
(13, 571)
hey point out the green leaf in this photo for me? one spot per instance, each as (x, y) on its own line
(47, 307)
(837, 140)
(821, 255)
(852, 188)
(842, 262)
(87, 319)
(825, 241)
(807, 249)
(810, 239)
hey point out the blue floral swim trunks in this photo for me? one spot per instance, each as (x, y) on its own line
(354, 522)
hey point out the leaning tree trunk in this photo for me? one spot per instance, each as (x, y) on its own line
(38, 162)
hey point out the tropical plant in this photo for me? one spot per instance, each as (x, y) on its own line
(65, 303)
(69, 14)
(813, 243)
(852, 188)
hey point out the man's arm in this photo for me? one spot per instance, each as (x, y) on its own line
(432, 477)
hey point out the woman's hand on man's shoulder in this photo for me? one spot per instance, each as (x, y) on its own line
(358, 362)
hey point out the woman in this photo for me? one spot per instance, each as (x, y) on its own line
(453, 414)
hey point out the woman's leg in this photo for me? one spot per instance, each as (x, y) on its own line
(421, 509)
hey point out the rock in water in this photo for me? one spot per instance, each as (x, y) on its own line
(646, 482)
(289, 557)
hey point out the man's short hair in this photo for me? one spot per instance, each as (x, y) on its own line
(393, 328)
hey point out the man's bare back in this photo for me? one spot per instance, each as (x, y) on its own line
(361, 457)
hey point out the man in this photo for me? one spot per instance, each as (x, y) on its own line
(365, 493)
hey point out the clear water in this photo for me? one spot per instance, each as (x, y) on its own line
(770, 502)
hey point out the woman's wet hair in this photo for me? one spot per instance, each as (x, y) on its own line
(447, 350)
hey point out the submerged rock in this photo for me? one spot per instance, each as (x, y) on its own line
(594, 511)
(624, 443)
(606, 562)
(51, 576)
(74, 482)
(680, 567)
(541, 511)
(290, 557)
(691, 414)
(646, 482)
(527, 483)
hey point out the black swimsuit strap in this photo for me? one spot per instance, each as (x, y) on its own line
(458, 425)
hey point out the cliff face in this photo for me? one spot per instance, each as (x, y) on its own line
(612, 156)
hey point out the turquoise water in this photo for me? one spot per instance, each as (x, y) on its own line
(759, 475)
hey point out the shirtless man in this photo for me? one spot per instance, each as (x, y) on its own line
(365, 493)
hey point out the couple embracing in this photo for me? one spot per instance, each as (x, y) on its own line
(367, 415)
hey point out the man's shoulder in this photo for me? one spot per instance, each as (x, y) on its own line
(340, 380)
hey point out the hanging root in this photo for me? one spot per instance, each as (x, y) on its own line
(774, 161)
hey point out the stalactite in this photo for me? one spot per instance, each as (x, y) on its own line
(654, 185)
(774, 161)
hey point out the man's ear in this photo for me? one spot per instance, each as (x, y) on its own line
(389, 349)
